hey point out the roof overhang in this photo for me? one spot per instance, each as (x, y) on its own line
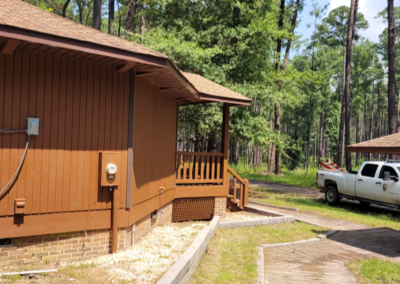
(204, 98)
(80, 46)
(184, 91)
(232, 101)
(389, 144)
(121, 59)
(178, 74)
(378, 150)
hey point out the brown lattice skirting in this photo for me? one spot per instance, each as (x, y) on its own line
(187, 209)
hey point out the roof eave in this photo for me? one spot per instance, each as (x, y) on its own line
(372, 149)
(81, 46)
(204, 98)
(232, 101)
(178, 74)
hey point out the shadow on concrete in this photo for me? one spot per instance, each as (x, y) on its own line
(382, 241)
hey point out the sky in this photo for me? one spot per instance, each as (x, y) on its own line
(370, 9)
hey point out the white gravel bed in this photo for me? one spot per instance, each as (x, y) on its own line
(151, 256)
(239, 216)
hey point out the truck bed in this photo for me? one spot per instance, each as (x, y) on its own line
(344, 181)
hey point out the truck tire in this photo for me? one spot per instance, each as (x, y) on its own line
(331, 195)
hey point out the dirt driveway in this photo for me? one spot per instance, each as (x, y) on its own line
(315, 193)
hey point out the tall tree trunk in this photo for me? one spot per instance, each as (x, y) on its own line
(80, 12)
(321, 131)
(119, 19)
(356, 131)
(111, 14)
(371, 124)
(275, 149)
(278, 168)
(339, 159)
(398, 111)
(143, 23)
(130, 21)
(88, 15)
(65, 7)
(237, 154)
(271, 154)
(210, 144)
(365, 137)
(392, 117)
(310, 110)
(97, 14)
(349, 53)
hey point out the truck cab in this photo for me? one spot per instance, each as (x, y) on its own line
(379, 188)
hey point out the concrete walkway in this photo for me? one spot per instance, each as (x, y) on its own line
(325, 261)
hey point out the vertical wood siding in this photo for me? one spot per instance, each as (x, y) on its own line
(154, 142)
(83, 109)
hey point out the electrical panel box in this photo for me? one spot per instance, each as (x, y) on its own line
(110, 168)
(33, 126)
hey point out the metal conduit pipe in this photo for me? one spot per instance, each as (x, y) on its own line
(114, 221)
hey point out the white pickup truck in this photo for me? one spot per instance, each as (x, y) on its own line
(375, 182)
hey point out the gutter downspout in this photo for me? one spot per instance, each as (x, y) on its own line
(114, 221)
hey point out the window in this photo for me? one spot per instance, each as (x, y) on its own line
(387, 169)
(369, 170)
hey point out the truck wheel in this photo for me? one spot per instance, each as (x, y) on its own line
(331, 195)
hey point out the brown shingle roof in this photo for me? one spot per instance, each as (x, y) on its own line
(389, 144)
(212, 89)
(19, 14)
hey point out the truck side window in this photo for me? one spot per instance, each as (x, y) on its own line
(387, 169)
(369, 170)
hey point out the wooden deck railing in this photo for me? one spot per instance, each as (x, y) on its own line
(199, 168)
(238, 192)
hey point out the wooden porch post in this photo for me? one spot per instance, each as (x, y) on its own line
(225, 140)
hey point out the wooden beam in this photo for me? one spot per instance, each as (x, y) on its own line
(10, 46)
(126, 67)
(201, 191)
(225, 140)
(148, 74)
(131, 128)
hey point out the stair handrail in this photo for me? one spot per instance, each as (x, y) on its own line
(245, 192)
(232, 171)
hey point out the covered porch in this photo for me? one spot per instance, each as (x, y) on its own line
(207, 174)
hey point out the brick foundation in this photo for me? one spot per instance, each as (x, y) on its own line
(76, 246)
(220, 206)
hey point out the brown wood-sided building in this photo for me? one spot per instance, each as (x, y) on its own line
(99, 99)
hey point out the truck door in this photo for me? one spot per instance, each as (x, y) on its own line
(365, 182)
(387, 190)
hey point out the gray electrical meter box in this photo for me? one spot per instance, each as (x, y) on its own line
(33, 126)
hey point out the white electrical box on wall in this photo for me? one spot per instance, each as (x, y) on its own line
(33, 126)
(109, 164)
